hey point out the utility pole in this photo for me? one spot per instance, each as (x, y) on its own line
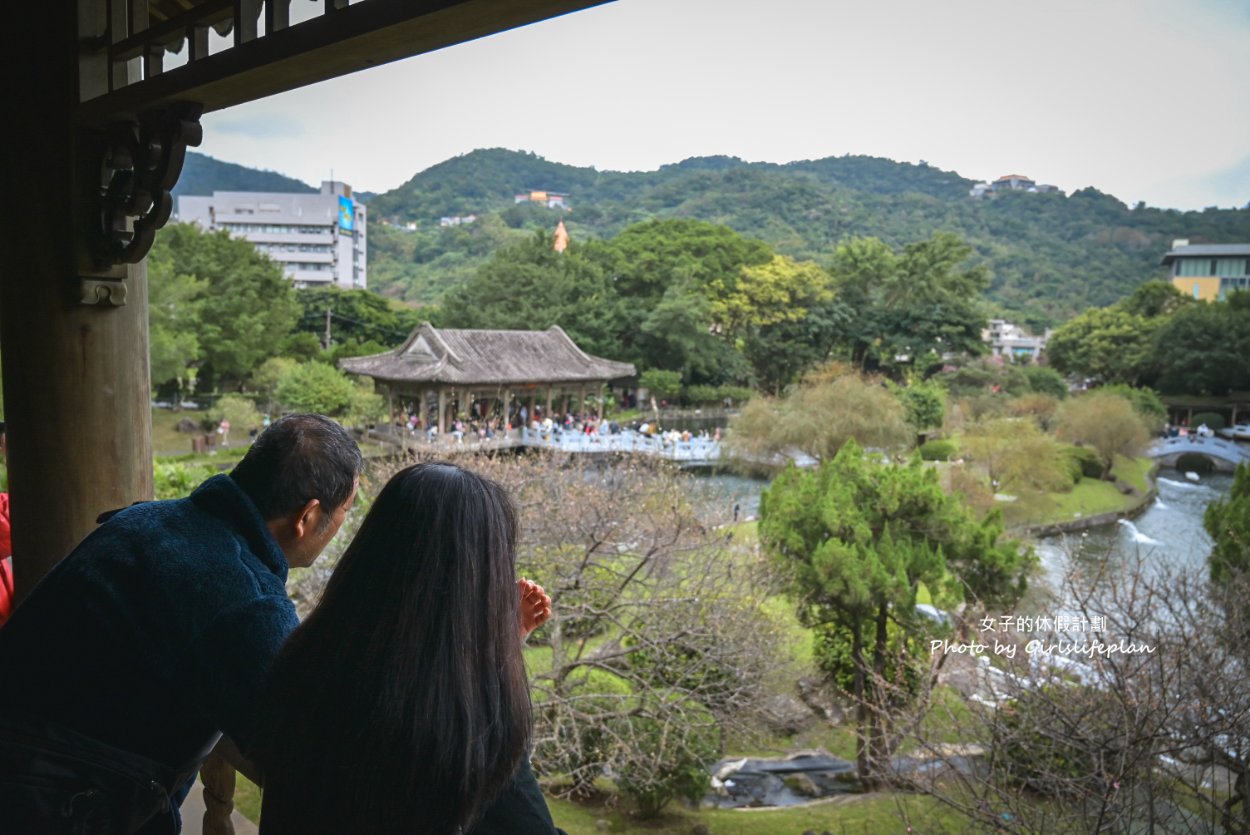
(326, 342)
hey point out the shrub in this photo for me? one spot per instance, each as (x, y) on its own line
(176, 479)
(237, 409)
(1046, 381)
(737, 394)
(700, 395)
(1059, 744)
(1211, 419)
(984, 376)
(925, 404)
(938, 450)
(1040, 408)
(661, 383)
(1145, 402)
(315, 387)
(1082, 462)
(678, 763)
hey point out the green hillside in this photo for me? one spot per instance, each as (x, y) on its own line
(203, 175)
(1049, 255)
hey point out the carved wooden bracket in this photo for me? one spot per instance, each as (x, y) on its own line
(137, 164)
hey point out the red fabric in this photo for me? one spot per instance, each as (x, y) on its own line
(6, 561)
(6, 589)
(6, 538)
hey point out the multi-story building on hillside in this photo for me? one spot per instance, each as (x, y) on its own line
(319, 239)
(1208, 271)
(1010, 182)
(1010, 341)
(550, 199)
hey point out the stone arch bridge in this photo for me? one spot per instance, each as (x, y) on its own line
(1223, 455)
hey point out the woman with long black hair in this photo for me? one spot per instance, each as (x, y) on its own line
(401, 703)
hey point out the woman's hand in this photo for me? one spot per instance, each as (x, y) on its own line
(535, 606)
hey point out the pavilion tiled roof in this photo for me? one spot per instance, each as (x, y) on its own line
(485, 357)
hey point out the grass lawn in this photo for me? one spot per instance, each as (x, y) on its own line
(869, 814)
(166, 439)
(247, 798)
(1091, 497)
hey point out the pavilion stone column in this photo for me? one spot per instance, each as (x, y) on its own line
(76, 391)
(442, 411)
(547, 408)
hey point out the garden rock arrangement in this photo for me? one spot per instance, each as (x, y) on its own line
(788, 781)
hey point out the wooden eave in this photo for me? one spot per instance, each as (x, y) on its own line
(340, 41)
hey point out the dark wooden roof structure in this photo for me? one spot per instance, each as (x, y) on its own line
(104, 97)
(471, 358)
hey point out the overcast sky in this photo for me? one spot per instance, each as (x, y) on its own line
(1144, 99)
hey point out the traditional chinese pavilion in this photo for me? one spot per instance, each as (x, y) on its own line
(484, 372)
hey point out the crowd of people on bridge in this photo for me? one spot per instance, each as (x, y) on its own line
(540, 426)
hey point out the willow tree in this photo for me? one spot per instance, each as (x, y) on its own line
(1106, 422)
(819, 416)
(856, 538)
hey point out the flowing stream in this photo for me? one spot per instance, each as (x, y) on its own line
(1168, 533)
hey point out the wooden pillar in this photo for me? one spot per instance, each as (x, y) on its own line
(442, 410)
(547, 408)
(76, 392)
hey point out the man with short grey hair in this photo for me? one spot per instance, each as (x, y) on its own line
(154, 636)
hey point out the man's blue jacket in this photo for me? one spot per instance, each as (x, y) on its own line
(157, 631)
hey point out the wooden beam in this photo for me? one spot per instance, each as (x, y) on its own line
(349, 39)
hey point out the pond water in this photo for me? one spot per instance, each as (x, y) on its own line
(1169, 533)
(721, 491)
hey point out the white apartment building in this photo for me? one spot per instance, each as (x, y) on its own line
(318, 239)
(1010, 341)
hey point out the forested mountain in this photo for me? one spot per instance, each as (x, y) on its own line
(1049, 256)
(202, 174)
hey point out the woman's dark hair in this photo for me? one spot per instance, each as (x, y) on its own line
(401, 704)
(298, 458)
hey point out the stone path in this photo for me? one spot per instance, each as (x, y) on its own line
(193, 815)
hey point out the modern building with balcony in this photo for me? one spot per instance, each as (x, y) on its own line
(1011, 342)
(319, 239)
(1208, 271)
